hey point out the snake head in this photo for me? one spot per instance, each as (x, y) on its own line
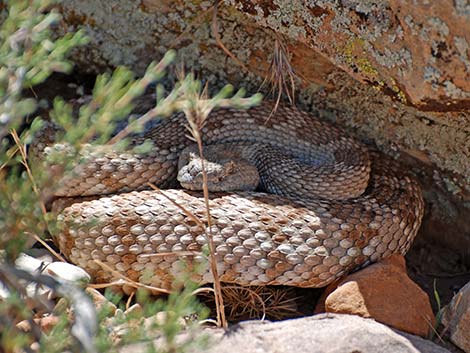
(226, 170)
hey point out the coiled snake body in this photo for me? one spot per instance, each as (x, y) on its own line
(354, 207)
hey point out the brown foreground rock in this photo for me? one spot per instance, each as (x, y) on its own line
(456, 318)
(331, 333)
(384, 292)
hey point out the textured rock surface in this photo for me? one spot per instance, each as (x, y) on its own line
(321, 333)
(418, 50)
(457, 318)
(435, 143)
(384, 292)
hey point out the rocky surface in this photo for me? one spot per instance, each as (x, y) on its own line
(418, 51)
(366, 67)
(384, 292)
(456, 318)
(320, 333)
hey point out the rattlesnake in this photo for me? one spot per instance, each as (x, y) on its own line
(354, 207)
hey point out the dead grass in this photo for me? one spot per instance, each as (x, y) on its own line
(21, 148)
(259, 302)
(196, 119)
(281, 76)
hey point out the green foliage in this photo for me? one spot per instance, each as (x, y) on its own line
(11, 337)
(165, 318)
(440, 310)
(28, 55)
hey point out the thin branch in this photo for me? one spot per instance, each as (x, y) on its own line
(175, 253)
(219, 301)
(252, 292)
(43, 243)
(126, 280)
(185, 211)
(215, 32)
(217, 286)
(24, 161)
(10, 155)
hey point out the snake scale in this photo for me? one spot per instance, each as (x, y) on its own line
(354, 207)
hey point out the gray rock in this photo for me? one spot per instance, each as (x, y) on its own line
(58, 270)
(332, 333)
(29, 263)
(68, 272)
(456, 318)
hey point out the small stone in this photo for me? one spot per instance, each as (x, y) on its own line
(384, 292)
(68, 272)
(333, 333)
(161, 318)
(134, 310)
(456, 318)
(102, 304)
(47, 323)
(57, 270)
(4, 292)
(24, 325)
(34, 290)
(28, 263)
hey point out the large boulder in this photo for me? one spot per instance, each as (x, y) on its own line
(332, 333)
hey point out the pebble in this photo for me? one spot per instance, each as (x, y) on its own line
(161, 318)
(58, 270)
(46, 323)
(102, 304)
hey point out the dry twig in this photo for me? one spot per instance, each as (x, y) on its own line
(259, 302)
(196, 117)
(282, 78)
(125, 281)
(24, 161)
(215, 32)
